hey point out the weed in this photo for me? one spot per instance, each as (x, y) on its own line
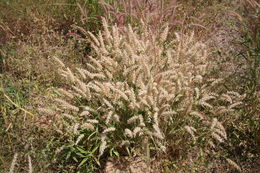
(140, 92)
(138, 86)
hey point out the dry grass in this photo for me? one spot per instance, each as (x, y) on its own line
(142, 92)
(138, 86)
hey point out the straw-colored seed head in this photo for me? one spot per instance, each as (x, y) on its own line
(59, 61)
(102, 147)
(129, 133)
(110, 129)
(135, 84)
(234, 165)
(88, 126)
(136, 131)
(11, 170)
(47, 111)
(79, 139)
(132, 119)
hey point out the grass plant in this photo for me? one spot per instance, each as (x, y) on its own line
(88, 84)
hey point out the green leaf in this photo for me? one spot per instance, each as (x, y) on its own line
(68, 155)
(95, 149)
(75, 159)
(116, 153)
(91, 135)
(128, 151)
(82, 150)
(83, 161)
(81, 155)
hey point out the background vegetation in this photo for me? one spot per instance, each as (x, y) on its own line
(33, 33)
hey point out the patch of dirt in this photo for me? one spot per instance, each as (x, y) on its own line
(127, 165)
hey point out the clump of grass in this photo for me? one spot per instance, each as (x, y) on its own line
(19, 19)
(245, 131)
(153, 13)
(249, 22)
(137, 86)
(22, 130)
(26, 71)
(139, 93)
(30, 60)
